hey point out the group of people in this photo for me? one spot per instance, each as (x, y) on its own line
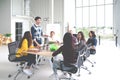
(33, 39)
(69, 46)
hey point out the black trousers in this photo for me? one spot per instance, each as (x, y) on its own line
(39, 41)
(30, 58)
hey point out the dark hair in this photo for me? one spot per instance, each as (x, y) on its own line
(52, 32)
(27, 35)
(37, 17)
(68, 43)
(82, 35)
(93, 34)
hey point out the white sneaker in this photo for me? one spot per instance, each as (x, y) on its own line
(54, 76)
(27, 71)
(64, 76)
(35, 67)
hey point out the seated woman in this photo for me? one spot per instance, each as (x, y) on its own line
(67, 51)
(24, 46)
(81, 40)
(52, 38)
(93, 41)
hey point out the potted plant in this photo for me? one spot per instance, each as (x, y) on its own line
(7, 39)
(7, 35)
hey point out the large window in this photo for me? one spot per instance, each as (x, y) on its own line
(79, 16)
(108, 16)
(92, 2)
(100, 16)
(86, 17)
(94, 13)
(93, 16)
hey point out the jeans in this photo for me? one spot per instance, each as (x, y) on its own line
(56, 65)
(61, 66)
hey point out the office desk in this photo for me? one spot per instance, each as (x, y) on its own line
(43, 53)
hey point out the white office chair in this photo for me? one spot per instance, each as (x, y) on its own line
(81, 60)
(87, 54)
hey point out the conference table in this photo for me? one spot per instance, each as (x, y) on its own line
(42, 54)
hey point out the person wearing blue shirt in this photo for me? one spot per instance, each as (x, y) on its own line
(36, 31)
(93, 41)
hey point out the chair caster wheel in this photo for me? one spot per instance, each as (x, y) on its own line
(92, 65)
(28, 77)
(43, 59)
(9, 75)
(78, 75)
(89, 73)
(17, 64)
(15, 79)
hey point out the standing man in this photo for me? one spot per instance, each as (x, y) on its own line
(37, 32)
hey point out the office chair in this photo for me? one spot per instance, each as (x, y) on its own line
(76, 67)
(12, 47)
(81, 59)
(87, 54)
(72, 69)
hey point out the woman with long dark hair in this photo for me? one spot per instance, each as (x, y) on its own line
(67, 51)
(80, 37)
(22, 55)
(93, 41)
(27, 36)
(81, 42)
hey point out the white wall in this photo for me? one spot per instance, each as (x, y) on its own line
(5, 16)
(43, 9)
(69, 13)
(116, 18)
(59, 15)
(40, 8)
(18, 15)
(17, 7)
(25, 27)
(13, 11)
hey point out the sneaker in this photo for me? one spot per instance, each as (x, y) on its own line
(35, 67)
(27, 71)
(54, 76)
(64, 76)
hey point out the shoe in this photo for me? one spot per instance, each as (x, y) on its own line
(35, 67)
(28, 72)
(54, 76)
(64, 76)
